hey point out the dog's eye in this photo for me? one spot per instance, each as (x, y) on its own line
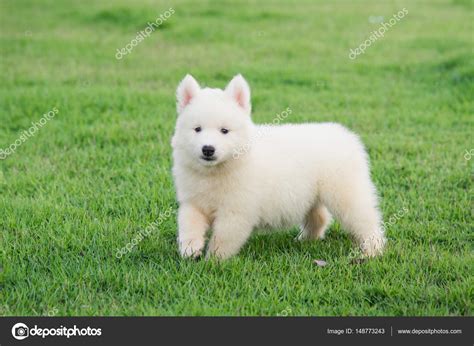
(224, 130)
(198, 129)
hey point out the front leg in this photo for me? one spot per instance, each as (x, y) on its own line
(230, 234)
(192, 227)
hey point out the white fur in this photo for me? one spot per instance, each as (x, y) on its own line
(289, 174)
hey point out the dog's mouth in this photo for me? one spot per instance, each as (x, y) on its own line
(208, 158)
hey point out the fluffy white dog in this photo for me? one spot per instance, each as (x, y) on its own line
(289, 174)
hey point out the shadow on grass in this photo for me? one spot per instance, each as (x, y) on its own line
(269, 246)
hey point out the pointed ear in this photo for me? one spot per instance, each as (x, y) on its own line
(187, 90)
(238, 89)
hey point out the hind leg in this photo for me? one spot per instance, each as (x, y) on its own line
(354, 203)
(315, 223)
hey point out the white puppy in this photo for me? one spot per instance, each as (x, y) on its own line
(282, 175)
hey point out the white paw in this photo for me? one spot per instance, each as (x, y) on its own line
(373, 245)
(220, 250)
(191, 247)
(304, 235)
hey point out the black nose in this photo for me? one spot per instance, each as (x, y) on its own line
(208, 150)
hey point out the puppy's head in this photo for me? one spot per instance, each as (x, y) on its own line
(212, 123)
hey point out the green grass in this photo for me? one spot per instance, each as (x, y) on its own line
(99, 172)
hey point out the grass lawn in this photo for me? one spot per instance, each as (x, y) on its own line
(98, 173)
